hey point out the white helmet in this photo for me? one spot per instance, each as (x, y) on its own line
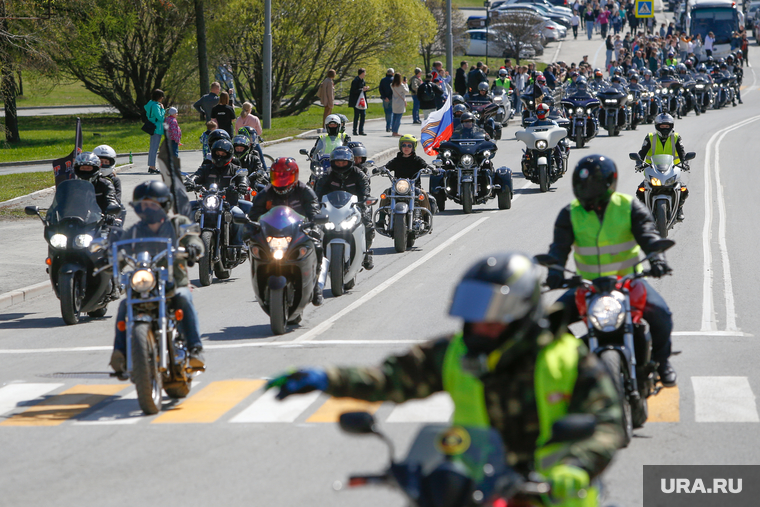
(106, 152)
(332, 118)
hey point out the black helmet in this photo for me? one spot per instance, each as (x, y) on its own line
(681, 68)
(483, 87)
(459, 108)
(594, 181)
(664, 124)
(221, 159)
(360, 151)
(468, 116)
(217, 134)
(89, 160)
(250, 132)
(457, 99)
(155, 191)
(342, 153)
(241, 141)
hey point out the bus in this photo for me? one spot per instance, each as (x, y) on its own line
(717, 16)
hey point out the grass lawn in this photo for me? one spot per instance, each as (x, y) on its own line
(39, 91)
(15, 185)
(49, 137)
(467, 3)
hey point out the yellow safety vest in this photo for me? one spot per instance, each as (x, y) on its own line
(657, 147)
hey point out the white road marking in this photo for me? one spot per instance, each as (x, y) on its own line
(556, 53)
(325, 325)
(434, 409)
(12, 395)
(267, 409)
(723, 399)
(709, 333)
(602, 45)
(123, 410)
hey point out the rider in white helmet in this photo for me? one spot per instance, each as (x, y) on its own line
(330, 139)
(107, 157)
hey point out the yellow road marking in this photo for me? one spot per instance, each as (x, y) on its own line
(330, 411)
(211, 402)
(64, 406)
(665, 407)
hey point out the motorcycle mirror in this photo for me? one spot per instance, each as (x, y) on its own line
(662, 244)
(371, 201)
(32, 210)
(303, 152)
(113, 209)
(690, 156)
(376, 170)
(97, 244)
(358, 423)
(321, 219)
(635, 156)
(438, 162)
(573, 428)
(369, 162)
(546, 260)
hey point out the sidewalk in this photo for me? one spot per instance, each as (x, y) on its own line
(23, 249)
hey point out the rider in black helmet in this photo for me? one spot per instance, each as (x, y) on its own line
(87, 167)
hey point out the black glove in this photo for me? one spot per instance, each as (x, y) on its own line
(242, 188)
(685, 166)
(193, 254)
(660, 268)
(555, 280)
(189, 185)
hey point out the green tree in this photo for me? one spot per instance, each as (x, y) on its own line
(311, 37)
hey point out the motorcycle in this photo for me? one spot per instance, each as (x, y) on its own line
(689, 95)
(468, 177)
(612, 114)
(725, 93)
(407, 219)
(72, 222)
(319, 164)
(458, 466)
(157, 354)
(258, 181)
(703, 91)
(612, 308)
(485, 114)
(662, 188)
(344, 240)
(283, 263)
(636, 107)
(213, 213)
(581, 110)
(539, 164)
(672, 98)
(504, 101)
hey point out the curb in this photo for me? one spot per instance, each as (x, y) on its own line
(20, 295)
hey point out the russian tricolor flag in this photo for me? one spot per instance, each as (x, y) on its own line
(437, 128)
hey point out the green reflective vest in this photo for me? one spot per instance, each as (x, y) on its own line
(609, 248)
(657, 147)
(503, 83)
(330, 143)
(671, 62)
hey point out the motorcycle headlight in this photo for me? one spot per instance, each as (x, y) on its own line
(278, 246)
(530, 102)
(497, 99)
(329, 226)
(630, 97)
(541, 144)
(606, 313)
(588, 110)
(402, 186)
(143, 280)
(349, 222)
(655, 182)
(699, 87)
(671, 181)
(58, 241)
(670, 91)
(82, 240)
(580, 110)
(610, 101)
(486, 154)
(466, 160)
(211, 202)
(446, 154)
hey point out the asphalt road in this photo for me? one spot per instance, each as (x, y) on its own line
(227, 444)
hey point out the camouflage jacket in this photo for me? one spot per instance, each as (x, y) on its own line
(510, 399)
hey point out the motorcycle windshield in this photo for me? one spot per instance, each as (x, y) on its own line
(280, 221)
(470, 449)
(338, 199)
(74, 199)
(662, 163)
(321, 148)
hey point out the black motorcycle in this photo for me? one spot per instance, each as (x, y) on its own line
(213, 213)
(703, 91)
(612, 115)
(283, 263)
(467, 175)
(402, 214)
(581, 111)
(486, 114)
(71, 223)
(458, 466)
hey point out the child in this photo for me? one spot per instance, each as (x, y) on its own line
(211, 125)
(175, 133)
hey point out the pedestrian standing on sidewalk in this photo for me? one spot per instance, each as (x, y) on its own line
(205, 104)
(460, 82)
(589, 18)
(708, 45)
(358, 85)
(386, 94)
(574, 22)
(609, 54)
(223, 113)
(426, 93)
(248, 119)
(175, 133)
(326, 94)
(414, 84)
(155, 113)
(398, 102)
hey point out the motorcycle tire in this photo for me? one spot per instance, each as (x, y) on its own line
(399, 234)
(661, 217)
(505, 199)
(410, 241)
(467, 197)
(611, 127)
(543, 178)
(278, 311)
(639, 413)
(611, 359)
(579, 140)
(71, 303)
(337, 270)
(440, 199)
(205, 267)
(145, 374)
(100, 312)
(178, 390)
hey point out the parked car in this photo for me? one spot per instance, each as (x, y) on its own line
(539, 10)
(554, 31)
(545, 3)
(498, 45)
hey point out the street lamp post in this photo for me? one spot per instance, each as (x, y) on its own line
(488, 31)
(449, 39)
(266, 94)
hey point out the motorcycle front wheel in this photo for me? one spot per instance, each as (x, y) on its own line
(399, 233)
(336, 270)
(205, 264)
(579, 139)
(661, 217)
(278, 311)
(543, 178)
(69, 288)
(467, 197)
(145, 372)
(611, 359)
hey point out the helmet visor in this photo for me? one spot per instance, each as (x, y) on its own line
(476, 301)
(282, 178)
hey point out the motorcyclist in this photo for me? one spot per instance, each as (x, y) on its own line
(245, 156)
(229, 177)
(506, 368)
(599, 82)
(703, 72)
(737, 71)
(483, 94)
(255, 143)
(407, 164)
(331, 139)
(685, 76)
(87, 167)
(468, 129)
(152, 201)
(542, 120)
(285, 189)
(648, 82)
(107, 156)
(457, 112)
(505, 83)
(458, 99)
(601, 225)
(343, 122)
(344, 175)
(665, 142)
(360, 157)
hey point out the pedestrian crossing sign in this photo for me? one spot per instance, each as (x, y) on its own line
(644, 8)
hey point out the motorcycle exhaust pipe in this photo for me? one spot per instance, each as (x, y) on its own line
(325, 270)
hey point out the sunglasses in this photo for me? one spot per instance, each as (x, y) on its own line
(407, 145)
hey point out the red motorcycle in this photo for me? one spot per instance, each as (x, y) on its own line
(612, 308)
